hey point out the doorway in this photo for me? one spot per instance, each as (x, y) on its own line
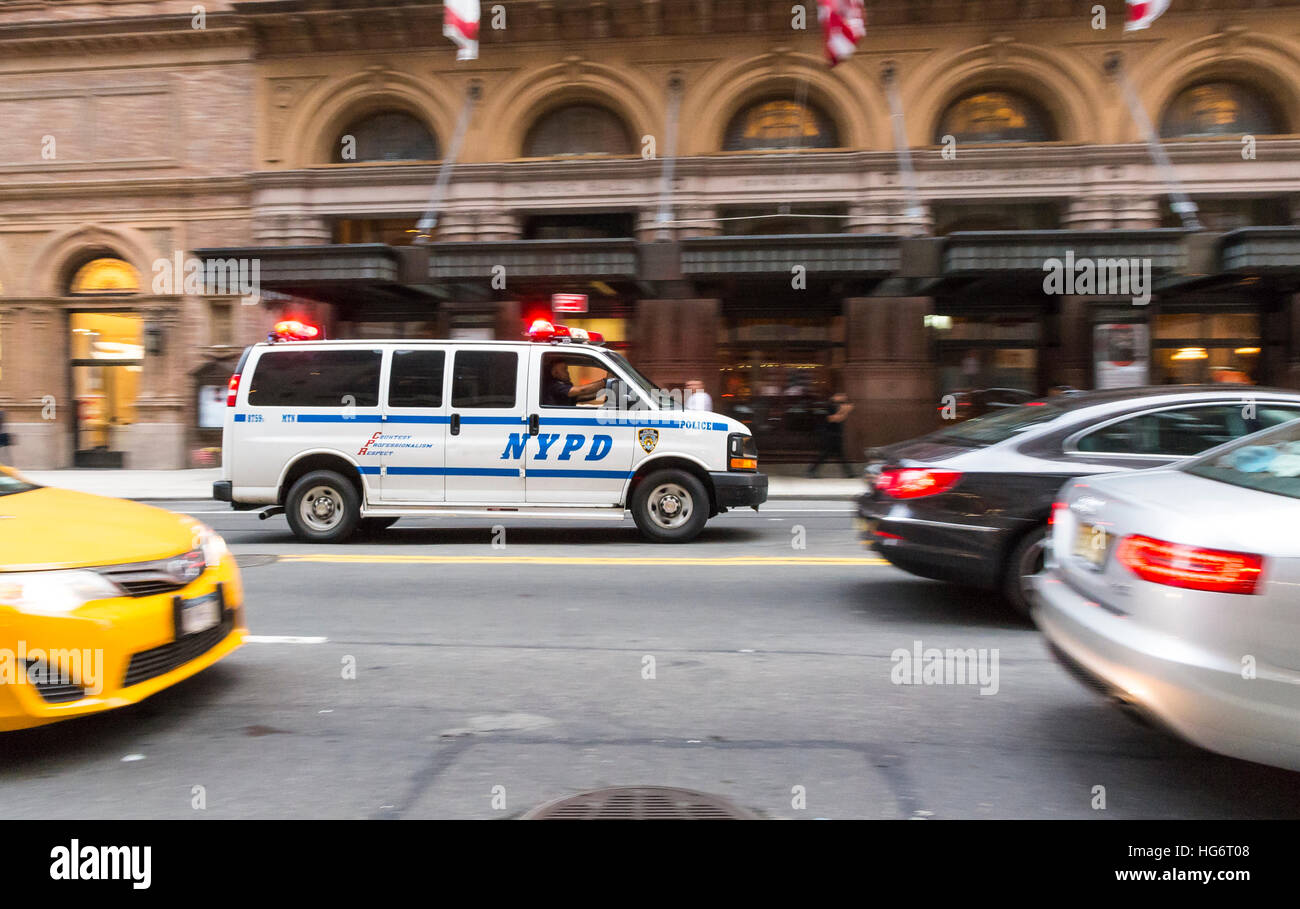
(107, 356)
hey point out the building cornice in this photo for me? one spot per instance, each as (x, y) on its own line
(121, 35)
(803, 163)
(174, 187)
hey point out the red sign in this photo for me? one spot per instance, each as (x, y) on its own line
(568, 302)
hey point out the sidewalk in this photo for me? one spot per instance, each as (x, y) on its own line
(197, 484)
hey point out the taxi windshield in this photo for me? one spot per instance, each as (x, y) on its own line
(10, 484)
(652, 391)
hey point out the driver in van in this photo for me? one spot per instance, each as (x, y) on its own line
(559, 390)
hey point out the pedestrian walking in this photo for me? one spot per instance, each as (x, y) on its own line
(696, 397)
(829, 433)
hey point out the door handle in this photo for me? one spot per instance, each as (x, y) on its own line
(455, 424)
(534, 424)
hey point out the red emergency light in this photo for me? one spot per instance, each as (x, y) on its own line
(293, 330)
(544, 330)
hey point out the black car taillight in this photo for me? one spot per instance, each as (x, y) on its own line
(915, 482)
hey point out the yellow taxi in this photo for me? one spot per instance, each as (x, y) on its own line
(104, 602)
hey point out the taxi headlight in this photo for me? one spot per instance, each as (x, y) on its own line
(211, 545)
(54, 592)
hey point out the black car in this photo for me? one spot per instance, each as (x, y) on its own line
(965, 405)
(971, 503)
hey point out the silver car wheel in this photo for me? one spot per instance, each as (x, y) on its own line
(321, 508)
(670, 506)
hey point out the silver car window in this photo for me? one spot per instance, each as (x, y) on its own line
(1267, 461)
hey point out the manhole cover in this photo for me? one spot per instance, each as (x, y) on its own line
(639, 803)
(250, 560)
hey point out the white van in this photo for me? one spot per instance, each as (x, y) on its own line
(345, 434)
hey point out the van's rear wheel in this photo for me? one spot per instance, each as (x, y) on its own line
(670, 506)
(322, 507)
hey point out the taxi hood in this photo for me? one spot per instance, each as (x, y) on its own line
(48, 528)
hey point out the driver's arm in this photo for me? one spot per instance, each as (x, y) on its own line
(588, 391)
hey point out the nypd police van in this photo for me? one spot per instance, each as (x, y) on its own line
(341, 435)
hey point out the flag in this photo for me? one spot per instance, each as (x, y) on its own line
(460, 24)
(1141, 13)
(844, 24)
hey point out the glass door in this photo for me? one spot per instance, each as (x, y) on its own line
(107, 358)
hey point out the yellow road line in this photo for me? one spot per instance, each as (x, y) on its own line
(739, 561)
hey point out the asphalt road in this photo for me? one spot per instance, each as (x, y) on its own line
(489, 679)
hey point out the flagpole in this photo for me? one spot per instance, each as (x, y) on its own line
(905, 171)
(430, 219)
(1179, 201)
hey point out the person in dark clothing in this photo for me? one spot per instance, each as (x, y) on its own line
(830, 433)
(559, 390)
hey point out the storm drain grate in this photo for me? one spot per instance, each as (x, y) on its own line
(639, 803)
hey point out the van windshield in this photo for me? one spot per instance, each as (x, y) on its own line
(652, 391)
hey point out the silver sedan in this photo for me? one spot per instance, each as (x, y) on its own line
(1176, 592)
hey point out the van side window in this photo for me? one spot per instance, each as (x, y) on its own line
(484, 378)
(416, 378)
(316, 378)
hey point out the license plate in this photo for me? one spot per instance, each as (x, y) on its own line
(1091, 543)
(199, 614)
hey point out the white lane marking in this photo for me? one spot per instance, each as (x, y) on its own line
(282, 639)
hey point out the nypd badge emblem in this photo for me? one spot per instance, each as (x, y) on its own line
(648, 438)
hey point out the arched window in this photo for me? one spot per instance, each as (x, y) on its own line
(780, 123)
(1220, 109)
(105, 275)
(995, 115)
(578, 129)
(386, 136)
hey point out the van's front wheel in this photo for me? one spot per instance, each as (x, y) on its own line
(322, 507)
(670, 506)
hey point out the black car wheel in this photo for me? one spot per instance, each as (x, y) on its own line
(322, 507)
(1026, 560)
(670, 506)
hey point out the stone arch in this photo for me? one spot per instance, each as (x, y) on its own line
(1267, 66)
(1061, 87)
(63, 252)
(328, 109)
(714, 99)
(522, 101)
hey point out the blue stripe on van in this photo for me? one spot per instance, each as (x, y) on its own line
(494, 421)
(628, 423)
(443, 471)
(334, 418)
(580, 474)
